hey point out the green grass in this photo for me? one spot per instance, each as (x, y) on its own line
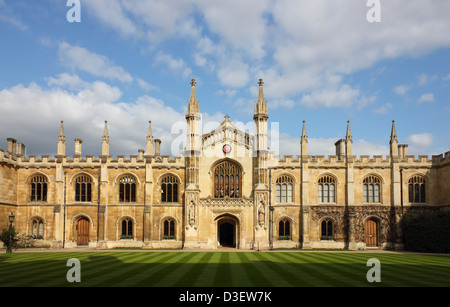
(223, 269)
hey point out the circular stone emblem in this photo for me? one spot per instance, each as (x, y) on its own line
(226, 149)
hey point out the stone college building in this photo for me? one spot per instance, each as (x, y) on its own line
(226, 189)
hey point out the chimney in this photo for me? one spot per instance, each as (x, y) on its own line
(11, 145)
(157, 147)
(78, 143)
(141, 154)
(21, 150)
(402, 151)
(340, 148)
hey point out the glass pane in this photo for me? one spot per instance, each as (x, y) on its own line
(278, 193)
(175, 192)
(422, 193)
(331, 193)
(38, 191)
(133, 192)
(377, 193)
(33, 192)
(88, 192)
(124, 228)
(320, 193)
(370, 193)
(411, 193)
(44, 192)
(283, 193)
(365, 193)
(169, 193)
(289, 195)
(130, 228)
(83, 192)
(416, 193)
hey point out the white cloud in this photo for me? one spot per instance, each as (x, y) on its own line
(344, 96)
(303, 40)
(112, 14)
(401, 89)
(176, 66)
(384, 109)
(66, 80)
(145, 85)
(429, 97)
(84, 112)
(80, 58)
(419, 144)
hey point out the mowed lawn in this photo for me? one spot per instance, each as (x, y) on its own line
(223, 269)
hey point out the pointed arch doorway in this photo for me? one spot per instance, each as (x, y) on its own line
(227, 231)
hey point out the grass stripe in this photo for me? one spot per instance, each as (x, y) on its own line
(223, 276)
(192, 277)
(254, 276)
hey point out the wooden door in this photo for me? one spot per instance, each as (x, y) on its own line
(371, 233)
(83, 232)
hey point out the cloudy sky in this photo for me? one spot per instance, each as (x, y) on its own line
(131, 61)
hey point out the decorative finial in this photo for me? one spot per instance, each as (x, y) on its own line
(260, 82)
(193, 83)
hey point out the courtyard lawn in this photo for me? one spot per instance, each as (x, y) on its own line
(223, 269)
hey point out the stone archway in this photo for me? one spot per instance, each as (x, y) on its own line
(227, 231)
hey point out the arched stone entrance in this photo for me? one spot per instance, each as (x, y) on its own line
(227, 231)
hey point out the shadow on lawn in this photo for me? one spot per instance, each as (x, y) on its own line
(108, 271)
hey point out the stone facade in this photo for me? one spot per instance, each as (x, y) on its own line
(226, 189)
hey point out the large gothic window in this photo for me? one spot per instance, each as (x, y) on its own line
(169, 189)
(416, 189)
(83, 188)
(38, 188)
(326, 192)
(371, 189)
(284, 190)
(227, 180)
(127, 189)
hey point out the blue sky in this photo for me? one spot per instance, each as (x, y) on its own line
(131, 61)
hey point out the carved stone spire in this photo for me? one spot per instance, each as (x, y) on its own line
(61, 147)
(393, 143)
(261, 104)
(192, 105)
(150, 139)
(348, 141)
(304, 141)
(105, 140)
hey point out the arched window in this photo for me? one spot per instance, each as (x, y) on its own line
(38, 188)
(284, 230)
(37, 228)
(371, 189)
(284, 190)
(326, 230)
(83, 188)
(169, 229)
(127, 189)
(416, 189)
(169, 189)
(227, 180)
(127, 229)
(326, 189)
